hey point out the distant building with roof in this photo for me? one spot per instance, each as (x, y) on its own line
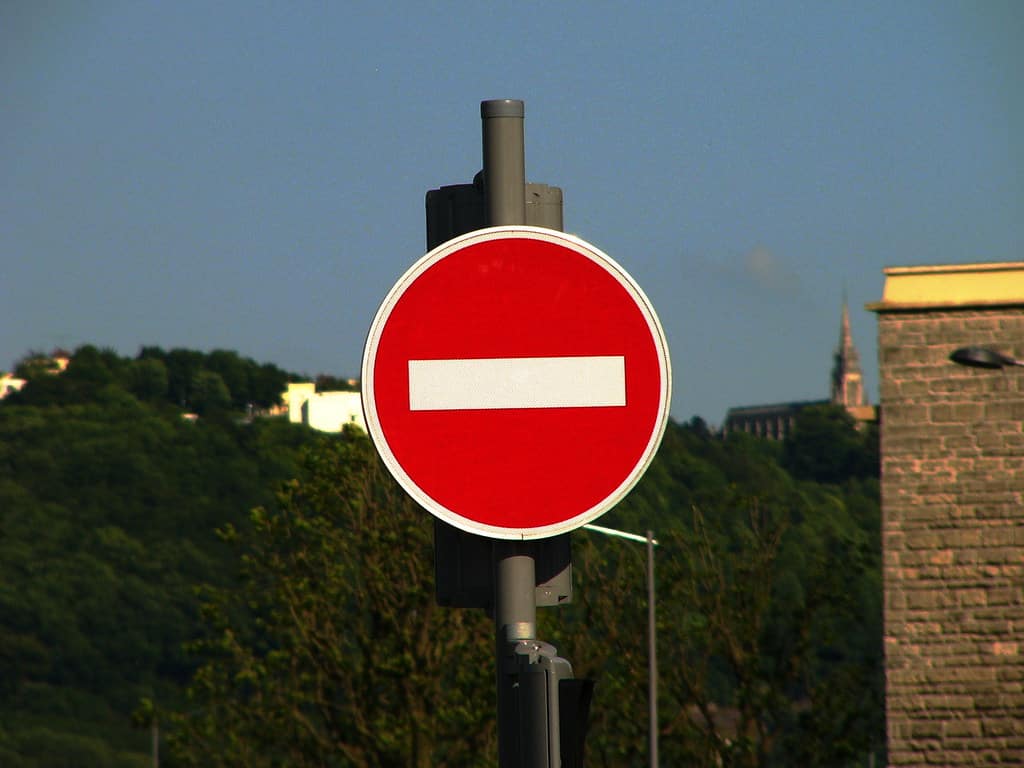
(54, 363)
(776, 420)
(10, 383)
(324, 411)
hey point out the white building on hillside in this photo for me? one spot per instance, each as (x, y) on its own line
(325, 411)
(298, 392)
(8, 384)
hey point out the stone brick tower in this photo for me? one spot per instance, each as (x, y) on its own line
(952, 516)
(847, 380)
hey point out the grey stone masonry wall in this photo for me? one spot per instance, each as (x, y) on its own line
(953, 538)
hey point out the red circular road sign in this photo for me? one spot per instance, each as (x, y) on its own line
(516, 382)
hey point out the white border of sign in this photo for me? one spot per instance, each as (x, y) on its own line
(381, 319)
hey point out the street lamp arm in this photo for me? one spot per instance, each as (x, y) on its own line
(620, 534)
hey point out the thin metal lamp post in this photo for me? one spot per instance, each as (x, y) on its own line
(652, 646)
(982, 357)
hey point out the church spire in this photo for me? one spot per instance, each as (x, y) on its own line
(847, 381)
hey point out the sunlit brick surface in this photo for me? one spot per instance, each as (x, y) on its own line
(953, 538)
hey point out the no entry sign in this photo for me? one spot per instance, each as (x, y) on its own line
(516, 382)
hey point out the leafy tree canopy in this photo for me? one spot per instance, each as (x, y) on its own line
(316, 639)
(108, 506)
(332, 650)
(826, 446)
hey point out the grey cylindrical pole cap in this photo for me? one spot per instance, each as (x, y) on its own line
(501, 108)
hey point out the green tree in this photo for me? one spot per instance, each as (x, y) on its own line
(268, 382)
(209, 393)
(108, 501)
(108, 506)
(326, 383)
(35, 364)
(147, 379)
(825, 446)
(602, 632)
(183, 366)
(768, 613)
(333, 651)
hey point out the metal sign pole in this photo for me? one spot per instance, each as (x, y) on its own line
(515, 607)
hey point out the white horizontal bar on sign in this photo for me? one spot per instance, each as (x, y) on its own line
(517, 382)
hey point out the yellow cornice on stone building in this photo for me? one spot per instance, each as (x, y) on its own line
(951, 285)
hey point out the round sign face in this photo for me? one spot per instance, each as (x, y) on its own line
(516, 382)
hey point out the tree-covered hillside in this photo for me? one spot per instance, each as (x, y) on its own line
(312, 642)
(109, 500)
(769, 601)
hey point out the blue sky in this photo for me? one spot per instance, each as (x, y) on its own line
(250, 175)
